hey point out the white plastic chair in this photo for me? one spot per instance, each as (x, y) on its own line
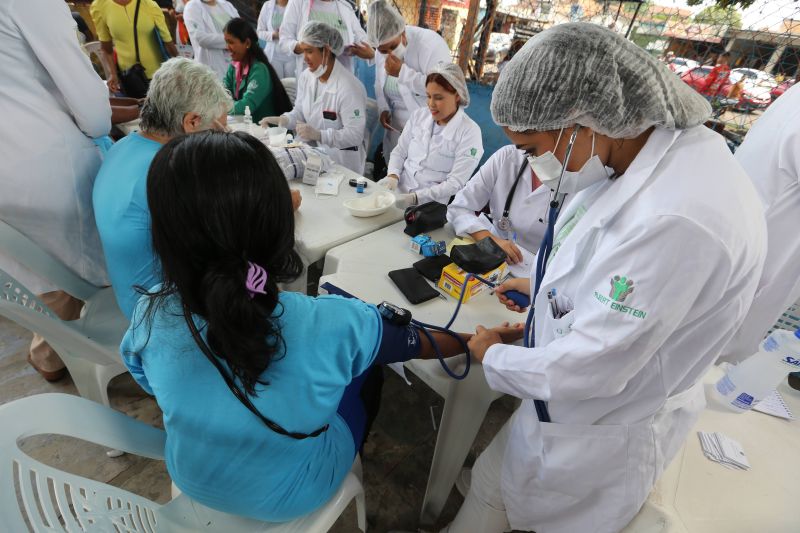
(94, 48)
(88, 346)
(290, 84)
(53, 500)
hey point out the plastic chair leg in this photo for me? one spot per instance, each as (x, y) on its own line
(88, 378)
(361, 511)
(465, 408)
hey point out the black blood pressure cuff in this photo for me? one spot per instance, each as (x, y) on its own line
(398, 344)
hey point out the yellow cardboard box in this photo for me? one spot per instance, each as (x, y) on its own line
(452, 280)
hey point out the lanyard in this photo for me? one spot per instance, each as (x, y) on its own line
(529, 335)
(504, 224)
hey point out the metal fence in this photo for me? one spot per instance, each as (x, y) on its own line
(761, 44)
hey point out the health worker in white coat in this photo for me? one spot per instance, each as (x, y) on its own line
(269, 22)
(440, 147)
(770, 154)
(518, 205)
(53, 104)
(205, 20)
(330, 108)
(653, 266)
(405, 56)
(336, 13)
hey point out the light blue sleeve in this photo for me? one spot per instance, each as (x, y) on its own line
(358, 325)
(133, 345)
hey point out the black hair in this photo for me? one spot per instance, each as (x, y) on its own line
(218, 201)
(242, 30)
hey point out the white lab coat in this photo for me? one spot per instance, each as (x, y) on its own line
(339, 112)
(623, 385)
(295, 19)
(52, 103)
(425, 50)
(283, 63)
(770, 154)
(208, 42)
(436, 168)
(491, 185)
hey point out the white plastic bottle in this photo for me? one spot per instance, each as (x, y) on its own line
(749, 382)
(248, 120)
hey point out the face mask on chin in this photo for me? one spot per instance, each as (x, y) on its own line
(549, 169)
(320, 70)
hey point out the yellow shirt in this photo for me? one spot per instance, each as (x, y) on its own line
(115, 23)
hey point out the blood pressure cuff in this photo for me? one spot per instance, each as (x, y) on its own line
(398, 344)
(478, 258)
(425, 217)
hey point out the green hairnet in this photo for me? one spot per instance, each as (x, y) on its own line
(582, 73)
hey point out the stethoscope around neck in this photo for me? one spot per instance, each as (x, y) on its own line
(556, 201)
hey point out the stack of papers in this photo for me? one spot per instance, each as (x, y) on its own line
(723, 450)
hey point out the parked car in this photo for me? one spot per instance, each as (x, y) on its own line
(757, 83)
(681, 65)
(782, 88)
(752, 97)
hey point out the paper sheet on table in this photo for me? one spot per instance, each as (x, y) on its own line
(328, 184)
(523, 269)
(723, 450)
(775, 406)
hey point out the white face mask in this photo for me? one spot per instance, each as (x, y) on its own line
(399, 50)
(548, 169)
(320, 70)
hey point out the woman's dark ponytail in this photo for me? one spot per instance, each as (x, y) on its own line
(219, 202)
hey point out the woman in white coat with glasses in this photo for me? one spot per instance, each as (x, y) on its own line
(330, 107)
(651, 268)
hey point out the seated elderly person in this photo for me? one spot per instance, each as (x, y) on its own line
(184, 97)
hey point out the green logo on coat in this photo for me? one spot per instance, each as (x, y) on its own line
(357, 113)
(621, 287)
(473, 151)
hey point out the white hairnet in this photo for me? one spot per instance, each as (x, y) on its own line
(384, 22)
(583, 73)
(321, 35)
(455, 77)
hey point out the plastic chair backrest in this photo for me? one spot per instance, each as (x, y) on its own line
(48, 496)
(94, 48)
(41, 263)
(20, 305)
(290, 84)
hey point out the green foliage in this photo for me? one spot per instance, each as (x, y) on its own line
(725, 4)
(719, 16)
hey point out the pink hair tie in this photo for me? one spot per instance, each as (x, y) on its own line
(256, 279)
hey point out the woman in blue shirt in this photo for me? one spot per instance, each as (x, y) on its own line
(276, 442)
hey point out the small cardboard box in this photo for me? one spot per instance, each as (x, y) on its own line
(453, 279)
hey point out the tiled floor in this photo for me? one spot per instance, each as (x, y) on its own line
(396, 459)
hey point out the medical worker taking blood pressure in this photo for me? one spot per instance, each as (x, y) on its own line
(651, 268)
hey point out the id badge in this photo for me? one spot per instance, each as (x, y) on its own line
(329, 115)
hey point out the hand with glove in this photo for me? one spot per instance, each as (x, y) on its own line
(405, 200)
(308, 133)
(390, 182)
(280, 121)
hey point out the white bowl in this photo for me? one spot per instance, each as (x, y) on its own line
(372, 205)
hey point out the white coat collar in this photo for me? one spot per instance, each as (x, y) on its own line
(451, 128)
(610, 202)
(336, 79)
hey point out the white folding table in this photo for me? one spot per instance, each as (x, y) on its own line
(360, 267)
